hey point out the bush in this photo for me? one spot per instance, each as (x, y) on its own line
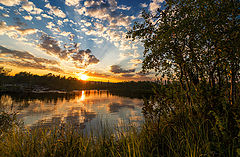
(197, 130)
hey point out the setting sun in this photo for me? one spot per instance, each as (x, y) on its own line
(83, 77)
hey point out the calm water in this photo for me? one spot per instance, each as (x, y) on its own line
(82, 108)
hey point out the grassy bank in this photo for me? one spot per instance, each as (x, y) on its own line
(181, 134)
(67, 141)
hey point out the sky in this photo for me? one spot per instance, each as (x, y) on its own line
(73, 38)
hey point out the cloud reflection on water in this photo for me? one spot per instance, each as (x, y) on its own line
(84, 107)
(115, 107)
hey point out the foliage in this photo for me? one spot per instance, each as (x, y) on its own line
(193, 41)
(8, 120)
(199, 130)
(195, 44)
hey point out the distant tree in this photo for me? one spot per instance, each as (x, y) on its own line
(4, 74)
(4, 71)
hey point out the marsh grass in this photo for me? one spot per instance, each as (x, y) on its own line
(178, 135)
(67, 141)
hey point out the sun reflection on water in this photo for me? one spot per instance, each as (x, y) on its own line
(84, 107)
(83, 96)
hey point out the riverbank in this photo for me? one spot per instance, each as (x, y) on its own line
(182, 134)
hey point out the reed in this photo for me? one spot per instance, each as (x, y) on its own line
(178, 135)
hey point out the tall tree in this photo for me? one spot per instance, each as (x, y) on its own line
(193, 41)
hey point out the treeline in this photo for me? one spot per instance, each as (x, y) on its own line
(49, 81)
(25, 81)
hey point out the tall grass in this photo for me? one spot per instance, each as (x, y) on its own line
(177, 135)
(67, 141)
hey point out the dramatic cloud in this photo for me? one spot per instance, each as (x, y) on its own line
(128, 75)
(96, 74)
(51, 46)
(10, 2)
(27, 31)
(56, 69)
(18, 22)
(31, 8)
(124, 7)
(59, 22)
(5, 29)
(24, 64)
(5, 15)
(116, 69)
(84, 57)
(81, 58)
(28, 6)
(24, 55)
(65, 33)
(55, 11)
(39, 18)
(25, 59)
(155, 4)
(28, 17)
(88, 24)
(57, 30)
(47, 16)
(106, 10)
(111, 23)
(65, 20)
(50, 25)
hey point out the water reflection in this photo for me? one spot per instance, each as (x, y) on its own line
(80, 108)
(115, 107)
(83, 96)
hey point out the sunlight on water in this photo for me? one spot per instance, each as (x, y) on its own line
(81, 108)
(83, 96)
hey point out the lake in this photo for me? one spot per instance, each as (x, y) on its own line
(85, 109)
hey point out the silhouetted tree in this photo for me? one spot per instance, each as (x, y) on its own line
(195, 44)
(192, 41)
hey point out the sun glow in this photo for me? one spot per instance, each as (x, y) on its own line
(83, 77)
